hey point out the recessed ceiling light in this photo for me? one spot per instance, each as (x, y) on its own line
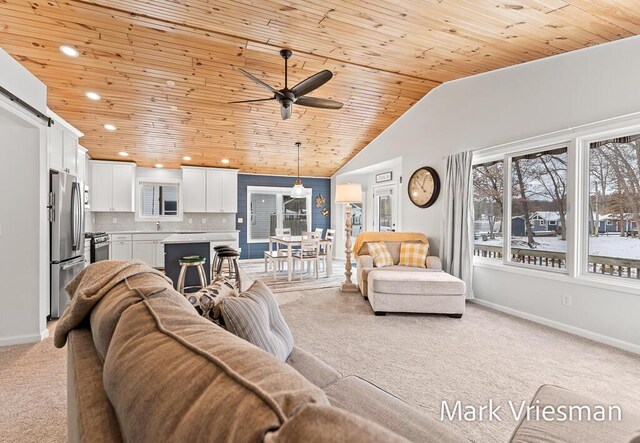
(225, 161)
(110, 127)
(123, 154)
(159, 165)
(69, 51)
(93, 96)
(171, 83)
(174, 108)
(186, 158)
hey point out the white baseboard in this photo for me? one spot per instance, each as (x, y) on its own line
(23, 339)
(562, 326)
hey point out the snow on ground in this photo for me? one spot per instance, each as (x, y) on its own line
(605, 245)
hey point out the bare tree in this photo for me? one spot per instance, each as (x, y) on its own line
(488, 185)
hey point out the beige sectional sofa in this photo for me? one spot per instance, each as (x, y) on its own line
(143, 366)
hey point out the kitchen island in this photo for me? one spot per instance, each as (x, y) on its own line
(177, 246)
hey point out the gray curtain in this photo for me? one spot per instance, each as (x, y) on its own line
(456, 246)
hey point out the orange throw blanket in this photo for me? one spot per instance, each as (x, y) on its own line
(373, 236)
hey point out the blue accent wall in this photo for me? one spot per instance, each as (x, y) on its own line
(319, 186)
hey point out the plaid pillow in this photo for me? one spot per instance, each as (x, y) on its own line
(380, 254)
(413, 254)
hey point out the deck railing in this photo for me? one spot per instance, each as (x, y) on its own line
(598, 264)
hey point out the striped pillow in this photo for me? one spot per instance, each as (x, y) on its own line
(256, 317)
(413, 254)
(380, 254)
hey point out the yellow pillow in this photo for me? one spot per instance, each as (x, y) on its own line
(413, 254)
(380, 254)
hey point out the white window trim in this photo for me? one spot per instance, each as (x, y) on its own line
(156, 181)
(275, 191)
(577, 200)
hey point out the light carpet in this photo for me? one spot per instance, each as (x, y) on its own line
(33, 392)
(425, 359)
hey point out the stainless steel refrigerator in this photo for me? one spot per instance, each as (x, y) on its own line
(66, 216)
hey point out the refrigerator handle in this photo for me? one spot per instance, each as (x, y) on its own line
(74, 215)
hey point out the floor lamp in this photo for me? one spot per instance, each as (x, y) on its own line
(346, 194)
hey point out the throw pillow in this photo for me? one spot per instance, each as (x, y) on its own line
(207, 300)
(380, 254)
(256, 317)
(413, 255)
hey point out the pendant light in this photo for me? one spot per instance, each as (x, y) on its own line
(298, 189)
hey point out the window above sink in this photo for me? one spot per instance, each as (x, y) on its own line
(158, 200)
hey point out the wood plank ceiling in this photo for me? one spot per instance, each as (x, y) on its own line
(385, 56)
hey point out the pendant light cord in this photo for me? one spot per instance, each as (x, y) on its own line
(298, 145)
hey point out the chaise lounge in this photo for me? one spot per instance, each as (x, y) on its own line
(412, 289)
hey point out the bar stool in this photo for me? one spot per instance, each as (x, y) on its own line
(186, 263)
(231, 255)
(215, 258)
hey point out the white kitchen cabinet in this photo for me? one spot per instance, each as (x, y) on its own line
(56, 147)
(82, 158)
(145, 250)
(112, 186)
(214, 191)
(194, 186)
(70, 152)
(121, 250)
(149, 248)
(229, 191)
(209, 190)
(222, 191)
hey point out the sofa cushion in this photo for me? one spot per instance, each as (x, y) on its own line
(256, 317)
(318, 423)
(356, 395)
(363, 274)
(312, 368)
(584, 431)
(428, 282)
(413, 255)
(172, 375)
(106, 314)
(381, 255)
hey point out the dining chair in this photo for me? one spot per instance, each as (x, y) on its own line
(310, 234)
(278, 257)
(319, 232)
(324, 249)
(309, 253)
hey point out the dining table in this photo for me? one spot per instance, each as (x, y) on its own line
(291, 241)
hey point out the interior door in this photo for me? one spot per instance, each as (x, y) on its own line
(385, 208)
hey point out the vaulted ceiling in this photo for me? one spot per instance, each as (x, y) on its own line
(166, 69)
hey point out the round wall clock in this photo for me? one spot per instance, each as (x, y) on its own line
(424, 187)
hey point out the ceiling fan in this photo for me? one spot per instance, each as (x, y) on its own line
(287, 97)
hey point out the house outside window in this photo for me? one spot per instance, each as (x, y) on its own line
(270, 208)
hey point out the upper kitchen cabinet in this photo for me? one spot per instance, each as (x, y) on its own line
(210, 190)
(63, 146)
(112, 186)
(194, 186)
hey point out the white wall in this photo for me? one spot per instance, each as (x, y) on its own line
(511, 104)
(24, 255)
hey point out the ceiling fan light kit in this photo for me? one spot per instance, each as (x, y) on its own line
(288, 97)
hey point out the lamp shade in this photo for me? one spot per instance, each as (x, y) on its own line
(298, 190)
(349, 193)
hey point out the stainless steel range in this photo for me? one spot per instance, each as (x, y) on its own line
(99, 246)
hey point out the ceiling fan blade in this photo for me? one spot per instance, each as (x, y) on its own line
(313, 102)
(285, 112)
(260, 82)
(312, 83)
(253, 101)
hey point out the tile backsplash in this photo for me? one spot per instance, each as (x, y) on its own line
(125, 221)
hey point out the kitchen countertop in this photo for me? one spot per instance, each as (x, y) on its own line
(216, 231)
(200, 238)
